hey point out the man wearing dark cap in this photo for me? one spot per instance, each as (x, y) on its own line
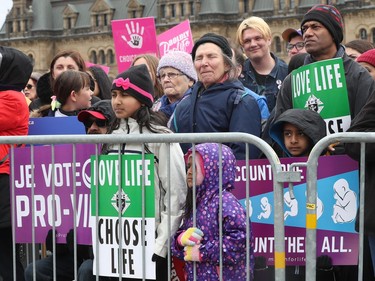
(15, 70)
(294, 38)
(98, 117)
(322, 29)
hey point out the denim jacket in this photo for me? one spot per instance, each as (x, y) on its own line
(273, 80)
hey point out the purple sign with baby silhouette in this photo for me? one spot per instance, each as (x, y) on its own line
(337, 203)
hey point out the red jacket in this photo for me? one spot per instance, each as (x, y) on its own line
(14, 121)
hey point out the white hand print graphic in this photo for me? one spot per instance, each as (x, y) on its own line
(136, 35)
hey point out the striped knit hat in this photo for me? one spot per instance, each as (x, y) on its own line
(330, 17)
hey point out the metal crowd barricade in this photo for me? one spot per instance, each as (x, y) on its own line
(279, 176)
(311, 200)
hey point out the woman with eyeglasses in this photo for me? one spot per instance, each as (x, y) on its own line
(176, 74)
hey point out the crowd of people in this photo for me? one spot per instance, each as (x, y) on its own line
(221, 86)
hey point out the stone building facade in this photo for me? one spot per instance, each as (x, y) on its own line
(41, 28)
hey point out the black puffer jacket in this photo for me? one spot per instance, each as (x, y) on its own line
(365, 122)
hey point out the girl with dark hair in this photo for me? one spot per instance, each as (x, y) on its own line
(72, 89)
(132, 99)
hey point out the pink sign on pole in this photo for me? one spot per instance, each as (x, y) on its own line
(178, 38)
(133, 37)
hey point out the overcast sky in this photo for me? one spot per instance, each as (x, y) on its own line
(5, 6)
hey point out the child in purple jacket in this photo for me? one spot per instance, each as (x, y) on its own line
(200, 243)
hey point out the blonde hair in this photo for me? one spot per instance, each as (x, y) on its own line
(256, 23)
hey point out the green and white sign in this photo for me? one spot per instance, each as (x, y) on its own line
(120, 206)
(321, 86)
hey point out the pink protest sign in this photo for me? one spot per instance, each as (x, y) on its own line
(133, 37)
(178, 38)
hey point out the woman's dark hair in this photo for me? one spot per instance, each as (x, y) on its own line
(76, 56)
(360, 45)
(68, 81)
(103, 81)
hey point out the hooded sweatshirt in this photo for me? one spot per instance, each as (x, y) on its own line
(308, 121)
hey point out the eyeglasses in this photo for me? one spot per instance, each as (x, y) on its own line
(100, 123)
(299, 46)
(29, 86)
(170, 75)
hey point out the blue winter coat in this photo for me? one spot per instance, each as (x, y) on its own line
(222, 107)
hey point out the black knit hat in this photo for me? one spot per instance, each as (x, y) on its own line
(136, 81)
(216, 39)
(330, 17)
(15, 69)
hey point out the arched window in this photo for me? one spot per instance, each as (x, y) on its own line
(278, 48)
(10, 27)
(173, 10)
(97, 21)
(101, 57)
(363, 34)
(32, 59)
(93, 57)
(163, 11)
(192, 8)
(245, 6)
(111, 57)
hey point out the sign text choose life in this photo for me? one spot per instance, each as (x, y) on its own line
(326, 77)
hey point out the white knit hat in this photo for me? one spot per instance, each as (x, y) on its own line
(179, 60)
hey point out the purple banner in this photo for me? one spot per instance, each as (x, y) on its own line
(337, 204)
(65, 176)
